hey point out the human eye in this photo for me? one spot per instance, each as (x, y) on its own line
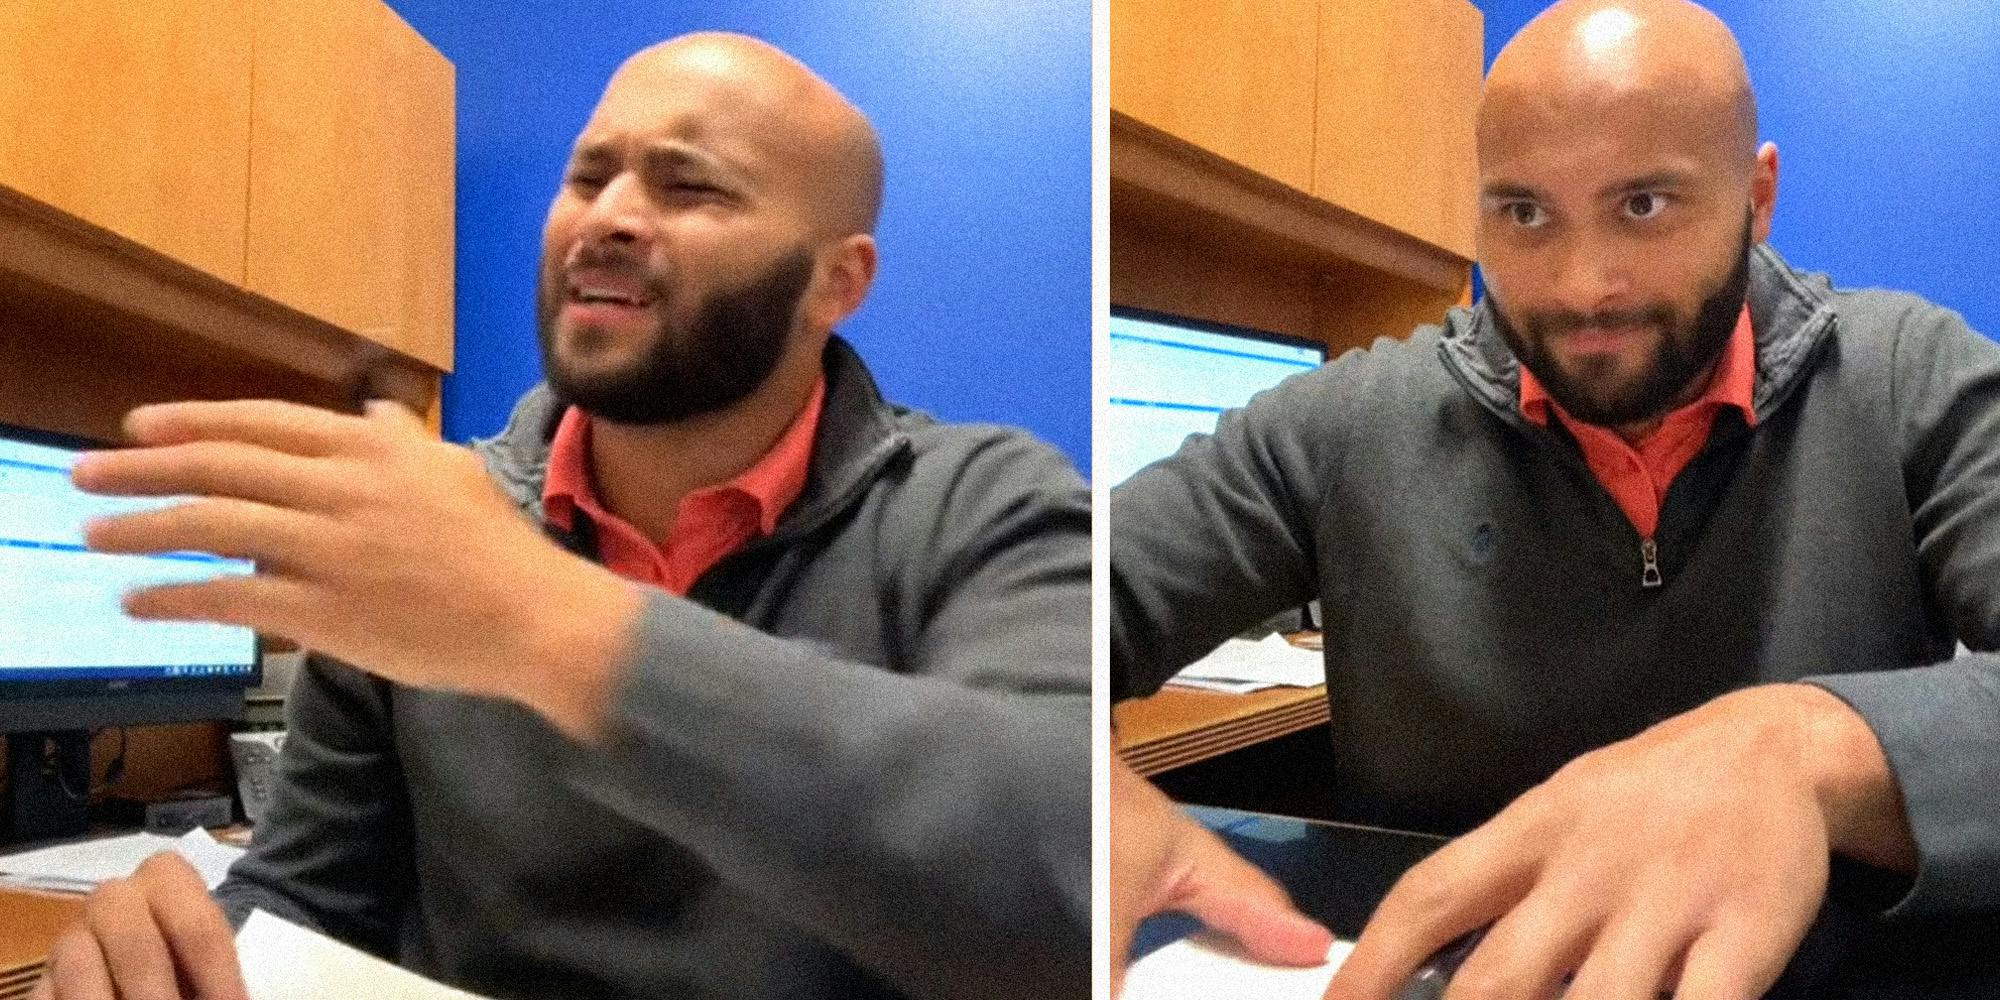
(585, 182)
(1525, 214)
(1643, 205)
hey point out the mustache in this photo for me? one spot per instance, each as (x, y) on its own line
(1545, 324)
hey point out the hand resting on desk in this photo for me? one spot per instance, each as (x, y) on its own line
(1690, 858)
(1163, 860)
(155, 935)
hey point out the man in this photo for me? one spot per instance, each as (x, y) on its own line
(813, 728)
(1579, 548)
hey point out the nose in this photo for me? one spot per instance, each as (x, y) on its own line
(1591, 275)
(616, 216)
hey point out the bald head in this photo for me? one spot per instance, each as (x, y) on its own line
(1670, 63)
(787, 109)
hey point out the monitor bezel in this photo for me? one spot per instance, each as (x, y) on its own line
(71, 691)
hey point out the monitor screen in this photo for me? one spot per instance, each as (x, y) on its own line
(62, 630)
(1170, 377)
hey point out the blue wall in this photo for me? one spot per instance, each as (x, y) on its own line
(1887, 121)
(982, 308)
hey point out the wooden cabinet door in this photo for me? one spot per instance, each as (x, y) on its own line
(351, 173)
(1398, 95)
(1234, 77)
(133, 116)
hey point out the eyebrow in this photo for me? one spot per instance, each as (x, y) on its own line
(1650, 182)
(666, 156)
(1645, 182)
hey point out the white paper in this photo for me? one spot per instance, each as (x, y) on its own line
(83, 866)
(283, 961)
(1270, 661)
(1211, 968)
(1226, 687)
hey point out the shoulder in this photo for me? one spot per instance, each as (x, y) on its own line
(969, 468)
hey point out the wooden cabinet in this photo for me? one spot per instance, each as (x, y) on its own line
(135, 116)
(1397, 95)
(351, 154)
(1300, 166)
(1234, 77)
(214, 198)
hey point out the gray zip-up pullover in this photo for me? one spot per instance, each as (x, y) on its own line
(852, 764)
(1485, 601)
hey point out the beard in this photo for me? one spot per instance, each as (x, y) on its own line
(1686, 350)
(724, 354)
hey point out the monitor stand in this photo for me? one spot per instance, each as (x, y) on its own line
(48, 785)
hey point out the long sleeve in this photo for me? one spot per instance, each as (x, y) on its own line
(333, 851)
(1220, 536)
(1940, 725)
(931, 817)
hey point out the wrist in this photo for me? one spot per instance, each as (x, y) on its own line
(580, 635)
(1850, 777)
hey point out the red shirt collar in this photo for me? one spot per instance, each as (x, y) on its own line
(1734, 383)
(772, 484)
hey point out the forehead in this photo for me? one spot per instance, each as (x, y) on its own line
(724, 116)
(1558, 136)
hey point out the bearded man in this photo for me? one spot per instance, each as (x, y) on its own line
(714, 675)
(1645, 570)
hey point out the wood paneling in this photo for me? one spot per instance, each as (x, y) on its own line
(351, 173)
(1232, 76)
(1181, 726)
(92, 324)
(1398, 92)
(135, 116)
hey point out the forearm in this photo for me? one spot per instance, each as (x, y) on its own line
(936, 832)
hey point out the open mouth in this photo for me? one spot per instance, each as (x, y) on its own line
(595, 295)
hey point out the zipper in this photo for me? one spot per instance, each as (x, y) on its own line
(1649, 554)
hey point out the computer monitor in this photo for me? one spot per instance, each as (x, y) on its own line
(71, 660)
(1170, 377)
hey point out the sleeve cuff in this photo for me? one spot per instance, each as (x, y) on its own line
(1940, 729)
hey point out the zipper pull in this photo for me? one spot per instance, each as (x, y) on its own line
(1649, 551)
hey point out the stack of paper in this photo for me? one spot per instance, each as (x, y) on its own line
(1210, 968)
(283, 961)
(83, 866)
(1240, 666)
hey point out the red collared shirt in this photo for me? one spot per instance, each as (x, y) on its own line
(1638, 477)
(711, 522)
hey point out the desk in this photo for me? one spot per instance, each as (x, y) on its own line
(1337, 873)
(29, 923)
(1179, 726)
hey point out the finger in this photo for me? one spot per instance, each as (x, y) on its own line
(288, 427)
(134, 952)
(1732, 961)
(210, 468)
(392, 414)
(1466, 885)
(239, 529)
(76, 969)
(274, 605)
(1632, 958)
(197, 932)
(1526, 953)
(1231, 895)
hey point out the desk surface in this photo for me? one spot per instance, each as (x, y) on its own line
(29, 923)
(1337, 873)
(1180, 726)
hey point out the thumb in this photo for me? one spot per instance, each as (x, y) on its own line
(1230, 895)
